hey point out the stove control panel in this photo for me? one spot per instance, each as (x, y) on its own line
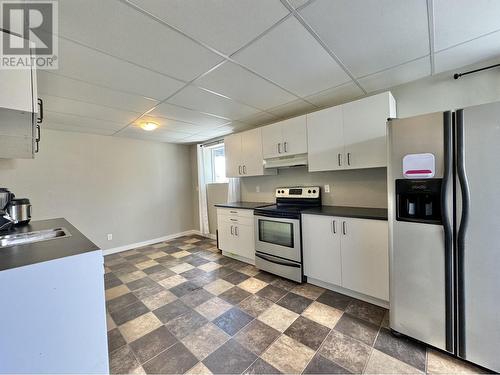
(298, 192)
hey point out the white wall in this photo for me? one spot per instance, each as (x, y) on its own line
(136, 190)
(368, 187)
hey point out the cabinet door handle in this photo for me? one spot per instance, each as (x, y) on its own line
(236, 231)
(233, 212)
(348, 158)
(233, 219)
(232, 232)
(285, 146)
(344, 228)
(244, 169)
(334, 226)
(239, 169)
(39, 119)
(279, 148)
(339, 159)
(37, 139)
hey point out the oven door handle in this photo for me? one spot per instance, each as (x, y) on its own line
(277, 261)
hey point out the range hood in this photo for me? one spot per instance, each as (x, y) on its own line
(286, 161)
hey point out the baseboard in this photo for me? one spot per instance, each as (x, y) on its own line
(349, 292)
(150, 242)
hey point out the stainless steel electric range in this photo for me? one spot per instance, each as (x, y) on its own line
(278, 239)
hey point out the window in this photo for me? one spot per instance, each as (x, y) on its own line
(215, 164)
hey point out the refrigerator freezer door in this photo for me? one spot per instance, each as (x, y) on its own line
(417, 250)
(479, 239)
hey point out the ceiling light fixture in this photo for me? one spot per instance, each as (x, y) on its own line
(149, 126)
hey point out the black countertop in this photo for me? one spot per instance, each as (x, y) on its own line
(243, 205)
(37, 252)
(344, 211)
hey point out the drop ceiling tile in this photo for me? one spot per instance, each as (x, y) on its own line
(78, 129)
(170, 125)
(204, 101)
(369, 36)
(259, 118)
(83, 122)
(295, 108)
(69, 106)
(57, 85)
(175, 112)
(396, 76)
(291, 57)
(481, 49)
(239, 84)
(122, 31)
(457, 21)
(297, 3)
(76, 61)
(336, 95)
(156, 135)
(224, 25)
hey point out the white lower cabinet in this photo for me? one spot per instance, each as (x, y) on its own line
(321, 240)
(347, 252)
(236, 233)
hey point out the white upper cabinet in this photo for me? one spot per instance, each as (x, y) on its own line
(232, 152)
(350, 136)
(18, 87)
(365, 122)
(243, 153)
(285, 138)
(325, 135)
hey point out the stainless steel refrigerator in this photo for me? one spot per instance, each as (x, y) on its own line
(444, 225)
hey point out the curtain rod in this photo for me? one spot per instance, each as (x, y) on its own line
(458, 75)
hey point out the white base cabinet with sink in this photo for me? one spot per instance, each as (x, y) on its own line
(349, 255)
(236, 233)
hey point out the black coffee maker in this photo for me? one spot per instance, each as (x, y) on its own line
(6, 222)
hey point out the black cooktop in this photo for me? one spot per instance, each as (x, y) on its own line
(282, 210)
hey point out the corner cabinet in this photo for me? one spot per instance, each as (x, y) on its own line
(351, 135)
(20, 115)
(243, 152)
(235, 230)
(347, 252)
(285, 138)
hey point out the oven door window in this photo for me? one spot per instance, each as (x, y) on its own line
(276, 232)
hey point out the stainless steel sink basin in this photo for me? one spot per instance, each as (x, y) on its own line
(31, 237)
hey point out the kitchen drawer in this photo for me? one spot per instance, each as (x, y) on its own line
(234, 212)
(235, 219)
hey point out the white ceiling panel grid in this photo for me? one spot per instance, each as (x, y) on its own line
(206, 68)
(114, 27)
(83, 122)
(336, 95)
(170, 111)
(86, 64)
(480, 49)
(370, 36)
(204, 101)
(403, 73)
(458, 21)
(223, 25)
(290, 56)
(57, 85)
(98, 112)
(239, 84)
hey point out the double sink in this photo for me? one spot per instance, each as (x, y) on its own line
(32, 237)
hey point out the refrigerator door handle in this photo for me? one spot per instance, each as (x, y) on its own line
(462, 229)
(447, 226)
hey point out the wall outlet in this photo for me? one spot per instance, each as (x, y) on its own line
(257, 189)
(327, 188)
(110, 236)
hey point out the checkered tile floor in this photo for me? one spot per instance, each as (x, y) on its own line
(182, 307)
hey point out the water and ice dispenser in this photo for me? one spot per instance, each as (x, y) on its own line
(419, 201)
